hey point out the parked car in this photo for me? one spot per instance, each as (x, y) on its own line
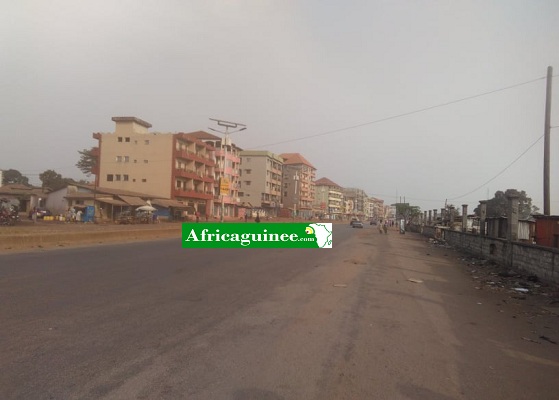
(41, 213)
(356, 224)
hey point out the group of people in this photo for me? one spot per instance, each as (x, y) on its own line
(73, 216)
(383, 227)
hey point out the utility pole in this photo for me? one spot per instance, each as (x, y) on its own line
(296, 198)
(546, 144)
(227, 125)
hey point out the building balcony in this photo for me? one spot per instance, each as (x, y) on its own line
(193, 194)
(188, 155)
(190, 174)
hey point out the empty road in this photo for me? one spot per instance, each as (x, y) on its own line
(154, 321)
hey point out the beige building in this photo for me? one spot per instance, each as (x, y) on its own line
(328, 199)
(356, 203)
(298, 185)
(166, 165)
(261, 180)
(376, 207)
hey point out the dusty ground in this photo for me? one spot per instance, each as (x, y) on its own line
(27, 235)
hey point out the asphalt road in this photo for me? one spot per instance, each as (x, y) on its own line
(154, 321)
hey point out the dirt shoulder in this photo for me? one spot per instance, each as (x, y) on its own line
(27, 236)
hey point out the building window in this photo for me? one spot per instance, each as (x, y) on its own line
(247, 183)
(120, 139)
(146, 141)
(109, 177)
(126, 159)
(248, 171)
(144, 180)
(133, 180)
(118, 158)
(125, 178)
(241, 194)
(117, 177)
(145, 161)
(135, 161)
(127, 140)
(285, 194)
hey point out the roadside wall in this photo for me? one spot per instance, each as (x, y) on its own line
(537, 260)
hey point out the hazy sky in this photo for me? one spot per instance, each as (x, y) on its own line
(293, 71)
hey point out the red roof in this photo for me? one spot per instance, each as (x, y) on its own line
(326, 182)
(294, 159)
(203, 135)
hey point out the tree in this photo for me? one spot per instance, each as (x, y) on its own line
(14, 176)
(53, 180)
(87, 161)
(497, 206)
(404, 210)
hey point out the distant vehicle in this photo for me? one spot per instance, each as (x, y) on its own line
(41, 213)
(356, 224)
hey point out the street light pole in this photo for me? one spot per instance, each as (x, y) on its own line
(227, 125)
(296, 199)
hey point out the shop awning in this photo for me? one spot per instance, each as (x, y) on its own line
(114, 202)
(133, 200)
(174, 204)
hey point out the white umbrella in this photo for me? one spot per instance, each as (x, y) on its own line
(146, 208)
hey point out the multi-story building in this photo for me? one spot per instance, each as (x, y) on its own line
(328, 198)
(298, 185)
(166, 165)
(358, 199)
(261, 180)
(376, 208)
(227, 177)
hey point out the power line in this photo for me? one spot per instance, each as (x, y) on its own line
(501, 172)
(402, 114)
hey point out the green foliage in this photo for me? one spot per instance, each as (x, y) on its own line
(14, 176)
(404, 210)
(87, 161)
(53, 180)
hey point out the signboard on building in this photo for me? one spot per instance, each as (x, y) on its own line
(224, 186)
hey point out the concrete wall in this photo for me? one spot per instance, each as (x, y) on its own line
(537, 260)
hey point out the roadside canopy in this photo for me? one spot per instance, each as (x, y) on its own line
(133, 200)
(111, 201)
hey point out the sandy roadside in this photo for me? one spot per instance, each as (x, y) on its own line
(42, 235)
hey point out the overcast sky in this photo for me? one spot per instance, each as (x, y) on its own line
(293, 71)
